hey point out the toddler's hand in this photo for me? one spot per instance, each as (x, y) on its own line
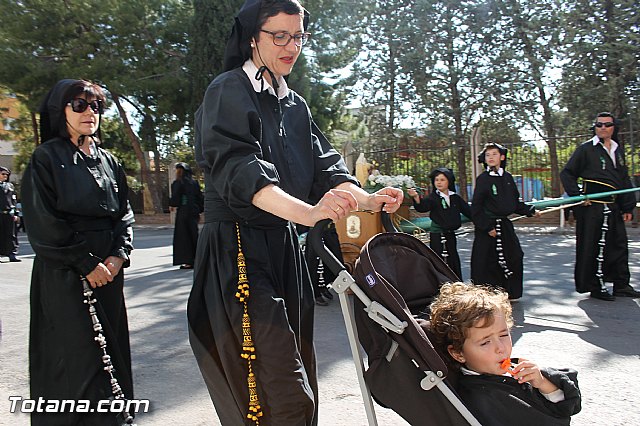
(527, 371)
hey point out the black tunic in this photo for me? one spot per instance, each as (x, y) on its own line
(502, 401)
(593, 162)
(445, 220)
(242, 148)
(187, 197)
(495, 198)
(8, 237)
(79, 214)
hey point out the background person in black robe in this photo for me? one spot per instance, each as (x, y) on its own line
(187, 200)
(445, 207)
(250, 310)
(496, 256)
(601, 165)
(8, 217)
(74, 196)
(472, 327)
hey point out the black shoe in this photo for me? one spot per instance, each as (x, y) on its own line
(327, 294)
(186, 266)
(626, 292)
(603, 295)
(320, 301)
(14, 259)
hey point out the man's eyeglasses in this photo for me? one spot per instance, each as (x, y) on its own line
(80, 105)
(282, 38)
(607, 124)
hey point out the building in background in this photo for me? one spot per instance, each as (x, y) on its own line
(8, 116)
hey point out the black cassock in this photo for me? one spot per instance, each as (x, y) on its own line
(79, 214)
(242, 145)
(187, 197)
(592, 162)
(502, 401)
(445, 220)
(494, 199)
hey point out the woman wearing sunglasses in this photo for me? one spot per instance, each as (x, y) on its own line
(74, 195)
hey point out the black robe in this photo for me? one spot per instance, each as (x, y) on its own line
(445, 220)
(494, 199)
(8, 236)
(243, 143)
(79, 214)
(502, 401)
(187, 197)
(593, 162)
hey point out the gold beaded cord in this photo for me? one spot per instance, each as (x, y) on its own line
(248, 349)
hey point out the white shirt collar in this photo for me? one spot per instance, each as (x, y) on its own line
(251, 70)
(492, 173)
(467, 372)
(614, 145)
(446, 197)
(596, 141)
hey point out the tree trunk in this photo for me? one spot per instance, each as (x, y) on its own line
(34, 125)
(135, 143)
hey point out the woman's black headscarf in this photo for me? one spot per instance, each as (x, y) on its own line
(448, 173)
(238, 49)
(53, 121)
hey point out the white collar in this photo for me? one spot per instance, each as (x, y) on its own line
(596, 140)
(442, 194)
(467, 372)
(251, 70)
(492, 173)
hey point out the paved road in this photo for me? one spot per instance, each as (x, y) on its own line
(555, 326)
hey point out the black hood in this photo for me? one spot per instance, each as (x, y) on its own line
(502, 149)
(51, 110)
(186, 168)
(448, 173)
(238, 49)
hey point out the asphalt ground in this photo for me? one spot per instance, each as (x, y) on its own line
(555, 326)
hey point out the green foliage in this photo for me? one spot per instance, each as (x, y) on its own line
(115, 141)
(601, 51)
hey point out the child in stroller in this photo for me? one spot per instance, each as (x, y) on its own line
(472, 325)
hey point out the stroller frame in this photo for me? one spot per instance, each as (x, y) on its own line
(389, 322)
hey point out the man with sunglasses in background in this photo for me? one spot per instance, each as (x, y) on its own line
(8, 217)
(601, 237)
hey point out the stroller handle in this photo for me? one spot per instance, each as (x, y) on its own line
(387, 223)
(314, 238)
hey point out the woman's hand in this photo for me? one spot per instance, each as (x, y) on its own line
(527, 371)
(493, 233)
(334, 205)
(114, 264)
(387, 199)
(99, 276)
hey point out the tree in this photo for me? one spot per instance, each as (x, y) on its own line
(208, 31)
(529, 44)
(450, 67)
(133, 48)
(602, 61)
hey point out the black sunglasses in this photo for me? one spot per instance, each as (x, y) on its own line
(80, 105)
(607, 124)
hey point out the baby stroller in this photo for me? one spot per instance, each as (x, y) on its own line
(396, 276)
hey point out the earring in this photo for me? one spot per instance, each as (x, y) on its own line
(252, 45)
